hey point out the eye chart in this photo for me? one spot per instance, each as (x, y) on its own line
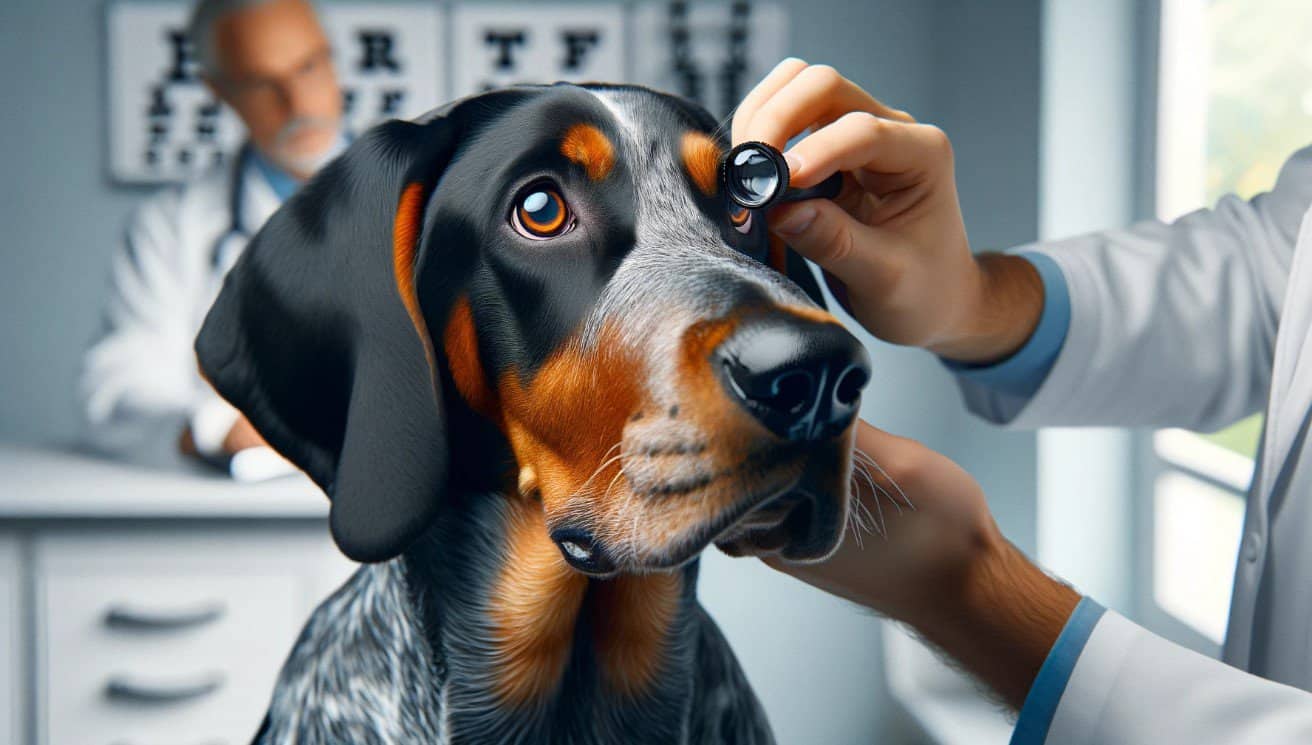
(165, 125)
(709, 52)
(504, 44)
(400, 59)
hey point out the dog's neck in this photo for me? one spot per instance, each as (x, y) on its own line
(525, 638)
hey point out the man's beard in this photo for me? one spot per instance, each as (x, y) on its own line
(302, 163)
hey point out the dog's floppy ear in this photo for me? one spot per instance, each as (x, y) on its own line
(311, 341)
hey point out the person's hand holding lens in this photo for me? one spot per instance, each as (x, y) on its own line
(892, 242)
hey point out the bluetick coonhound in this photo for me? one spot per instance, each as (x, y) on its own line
(538, 362)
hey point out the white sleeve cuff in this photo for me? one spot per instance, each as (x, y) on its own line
(210, 424)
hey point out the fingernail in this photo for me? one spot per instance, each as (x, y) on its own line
(797, 221)
(794, 163)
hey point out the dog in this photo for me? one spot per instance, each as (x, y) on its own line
(538, 362)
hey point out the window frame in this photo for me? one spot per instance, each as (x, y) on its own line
(1150, 464)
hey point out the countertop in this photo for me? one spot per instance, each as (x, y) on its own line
(50, 483)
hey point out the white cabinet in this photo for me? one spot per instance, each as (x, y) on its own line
(143, 637)
(11, 650)
(141, 607)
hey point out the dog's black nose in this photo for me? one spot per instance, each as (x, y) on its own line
(801, 379)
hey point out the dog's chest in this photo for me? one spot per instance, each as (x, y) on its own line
(364, 672)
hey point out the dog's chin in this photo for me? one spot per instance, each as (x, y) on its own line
(792, 525)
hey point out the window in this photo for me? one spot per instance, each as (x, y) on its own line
(1234, 101)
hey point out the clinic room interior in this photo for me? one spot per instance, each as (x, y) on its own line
(905, 371)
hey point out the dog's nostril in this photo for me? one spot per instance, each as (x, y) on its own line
(792, 391)
(850, 384)
(799, 378)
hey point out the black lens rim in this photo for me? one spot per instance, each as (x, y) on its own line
(731, 185)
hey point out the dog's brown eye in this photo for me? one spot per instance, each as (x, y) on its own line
(741, 217)
(540, 213)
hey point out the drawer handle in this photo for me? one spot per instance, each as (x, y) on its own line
(143, 619)
(124, 688)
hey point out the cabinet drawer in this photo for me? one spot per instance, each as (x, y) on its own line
(179, 644)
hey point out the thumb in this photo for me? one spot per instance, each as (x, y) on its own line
(826, 234)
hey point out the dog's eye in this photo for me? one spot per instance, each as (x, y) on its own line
(540, 212)
(741, 218)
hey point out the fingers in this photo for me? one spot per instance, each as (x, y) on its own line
(769, 85)
(826, 234)
(859, 140)
(816, 94)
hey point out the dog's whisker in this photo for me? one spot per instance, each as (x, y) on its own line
(882, 525)
(855, 521)
(869, 459)
(605, 463)
(879, 510)
(863, 464)
(865, 476)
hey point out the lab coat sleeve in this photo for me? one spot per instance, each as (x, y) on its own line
(140, 386)
(1131, 687)
(1170, 324)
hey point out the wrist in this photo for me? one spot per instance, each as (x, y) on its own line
(1001, 619)
(1003, 303)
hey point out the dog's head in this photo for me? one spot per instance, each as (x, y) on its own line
(545, 291)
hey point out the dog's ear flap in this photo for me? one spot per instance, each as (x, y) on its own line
(311, 341)
(789, 263)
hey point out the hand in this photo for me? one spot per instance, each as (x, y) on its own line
(892, 244)
(935, 526)
(242, 436)
(943, 567)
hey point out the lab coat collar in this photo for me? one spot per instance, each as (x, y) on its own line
(1291, 380)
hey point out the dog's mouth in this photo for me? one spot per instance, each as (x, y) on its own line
(792, 506)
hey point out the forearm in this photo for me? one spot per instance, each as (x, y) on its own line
(1001, 314)
(1000, 620)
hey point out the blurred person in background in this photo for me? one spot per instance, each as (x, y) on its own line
(141, 393)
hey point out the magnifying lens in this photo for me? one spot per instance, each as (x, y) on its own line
(755, 176)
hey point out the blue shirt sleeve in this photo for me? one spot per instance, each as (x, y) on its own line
(1049, 685)
(1022, 373)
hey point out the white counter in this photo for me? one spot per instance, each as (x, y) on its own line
(37, 483)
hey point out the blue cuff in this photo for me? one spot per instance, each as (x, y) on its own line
(1022, 373)
(1049, 685)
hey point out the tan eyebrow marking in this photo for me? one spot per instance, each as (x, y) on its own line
(701, 158)
(589, 147)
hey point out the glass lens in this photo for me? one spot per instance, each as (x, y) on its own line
(754, 176)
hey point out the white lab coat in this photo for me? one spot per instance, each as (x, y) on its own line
(140, 384)
(1197, 324)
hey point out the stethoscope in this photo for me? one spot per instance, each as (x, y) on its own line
(237, 230)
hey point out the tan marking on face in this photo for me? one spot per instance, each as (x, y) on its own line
(460, 343)
(810, 313)
(632, 616)
(589, 147)
(701, 158)
(405, 241)
(565, 421)
(534, 606)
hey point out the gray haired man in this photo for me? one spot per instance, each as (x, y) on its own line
(142, 397)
